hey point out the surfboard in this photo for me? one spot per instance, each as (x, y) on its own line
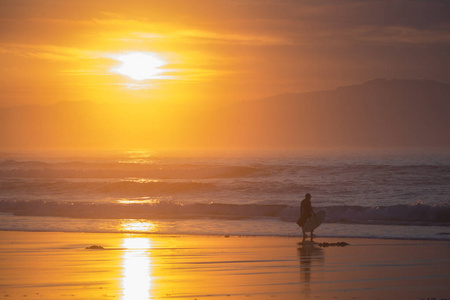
(314, 222)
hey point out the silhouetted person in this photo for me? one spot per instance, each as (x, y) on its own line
(306, 212)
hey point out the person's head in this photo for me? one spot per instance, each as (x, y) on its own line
(308, 196)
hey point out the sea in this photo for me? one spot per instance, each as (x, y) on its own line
(391, 194)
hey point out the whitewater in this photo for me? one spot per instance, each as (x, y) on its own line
(382, 194)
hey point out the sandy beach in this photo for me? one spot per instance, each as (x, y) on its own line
(47, 265)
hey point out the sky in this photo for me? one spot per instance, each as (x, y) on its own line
(210, 53)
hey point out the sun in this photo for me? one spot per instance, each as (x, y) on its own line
(139, 65)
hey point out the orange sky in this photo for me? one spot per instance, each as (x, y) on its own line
(216, 51)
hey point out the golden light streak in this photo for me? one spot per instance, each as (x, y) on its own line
(140, 200)
(138, 226)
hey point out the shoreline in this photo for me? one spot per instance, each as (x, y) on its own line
(261, 227)
(158, 234)
(55, 265)
(299, 236)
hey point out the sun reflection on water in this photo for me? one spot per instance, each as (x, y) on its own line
(139, 157)
(137, 269)
(138, 226)
(140, 200)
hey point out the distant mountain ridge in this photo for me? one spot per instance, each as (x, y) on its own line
(378, 113)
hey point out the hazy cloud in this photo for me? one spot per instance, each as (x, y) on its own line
(240, 49)
(49, 52)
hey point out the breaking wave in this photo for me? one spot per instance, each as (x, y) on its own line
(41, 169)
(416, 214)
(65, 189)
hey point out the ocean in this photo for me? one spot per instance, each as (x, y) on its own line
(370, 194)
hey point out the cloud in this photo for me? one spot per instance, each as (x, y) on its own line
(227, 38)
(60, 22)
(50, 52)
(236, 46)
(401, 34)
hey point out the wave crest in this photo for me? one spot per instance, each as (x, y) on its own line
(417, 214)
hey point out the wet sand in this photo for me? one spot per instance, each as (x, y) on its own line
(39, 265)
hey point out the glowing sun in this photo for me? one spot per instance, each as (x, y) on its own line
(139, 65)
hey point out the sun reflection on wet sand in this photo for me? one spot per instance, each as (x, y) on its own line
(137, 269)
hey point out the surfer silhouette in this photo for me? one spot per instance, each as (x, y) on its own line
(306, 212)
